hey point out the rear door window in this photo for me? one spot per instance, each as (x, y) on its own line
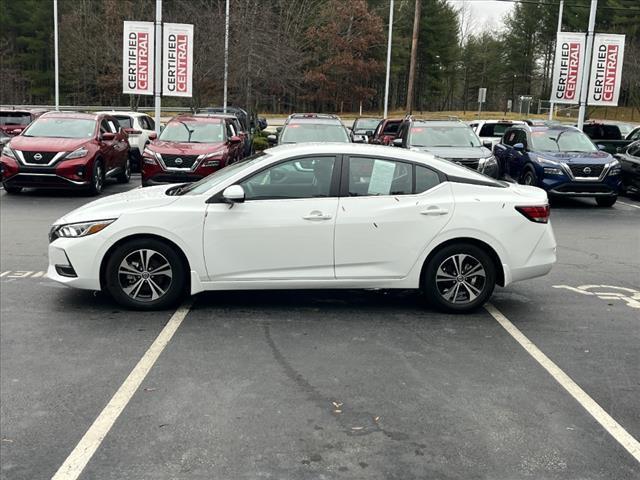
(374, 176)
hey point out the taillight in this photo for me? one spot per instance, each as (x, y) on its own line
(538, 214)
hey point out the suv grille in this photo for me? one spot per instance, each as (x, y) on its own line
(471, 163)
(579, 170)
(179, 161)
(38, 158)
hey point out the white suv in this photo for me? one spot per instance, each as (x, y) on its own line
(492, 130)
(141, 130)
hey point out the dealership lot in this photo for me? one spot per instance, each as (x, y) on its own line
(336, 384)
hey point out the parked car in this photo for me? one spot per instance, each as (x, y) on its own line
(66, 150)
(248, 121)
(386, 131)
(560, 159)
(634, 135)
(12, 122)
(448, 139)
(492, 130)
(147, 248)
(630, 163)
(607, 136)
(365, 126)
(311, 127)
(140, 129)
(4, 138)
(191, 147)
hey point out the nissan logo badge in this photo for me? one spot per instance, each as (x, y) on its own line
(37, 157)
(178, 161)
(586, 170)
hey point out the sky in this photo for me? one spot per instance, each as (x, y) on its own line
(487, 14)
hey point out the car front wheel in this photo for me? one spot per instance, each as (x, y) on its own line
(97, 178)
(606, 201)
(459, 278)
(145, 274)
(125, 175)
(11, 190)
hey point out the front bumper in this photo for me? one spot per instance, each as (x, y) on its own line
(82, 255)
(64, 174)
(157, 175)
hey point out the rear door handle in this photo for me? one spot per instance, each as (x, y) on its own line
(317, 215)
(435, 211)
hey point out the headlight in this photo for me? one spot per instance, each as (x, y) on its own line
(80, 152)
(489, 166)
(149, 157)
(615, 168)
(73, 230)
(6, 150)
(553, 171)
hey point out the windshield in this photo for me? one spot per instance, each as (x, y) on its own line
(207, 183)
(365, 124)
(125, 122)
(443, 137)
(494, 129)
(15, 118)
(562, 141)
(192, 132)
(314, 132)
(61, 128)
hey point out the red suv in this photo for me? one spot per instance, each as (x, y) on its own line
(191, 147)
(66, 150)
(386, 131)
(12, 122)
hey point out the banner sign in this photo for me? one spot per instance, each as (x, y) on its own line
(606, 69)
(137, 58)
(177, 64)
(567, 69)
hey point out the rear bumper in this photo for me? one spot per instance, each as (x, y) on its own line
(539, 263)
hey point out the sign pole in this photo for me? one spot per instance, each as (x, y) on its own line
(386, 82)
(552, 105)
(587, 64)
(55, 47)
(226, 56)
(158, 65)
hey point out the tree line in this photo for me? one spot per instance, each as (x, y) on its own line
(308, 55)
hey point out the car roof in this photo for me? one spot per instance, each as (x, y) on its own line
(314, 121)
(79, 115)
(115, 113)
(440, 123)
(544, 128)
(198, 118)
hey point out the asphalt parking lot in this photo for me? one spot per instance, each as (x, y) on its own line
(341, 384)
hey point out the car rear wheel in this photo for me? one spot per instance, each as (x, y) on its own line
(11, 190)
(606, 201)
(145, 274)
(459, 278)
(97, 178)
(125, 176)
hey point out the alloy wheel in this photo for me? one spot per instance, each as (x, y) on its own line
(145, 275)
(460, 279)
(98, 177)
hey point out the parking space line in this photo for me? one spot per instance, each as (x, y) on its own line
(623, 437)
(80, 456)
(628, 204)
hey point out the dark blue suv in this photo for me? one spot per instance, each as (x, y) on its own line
(560, 159)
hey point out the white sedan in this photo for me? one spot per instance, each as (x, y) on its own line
(311, 216)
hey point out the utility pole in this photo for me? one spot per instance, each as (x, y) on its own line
(386, 82)
(552, 105)
(158, 67)
(55, 48)
(586, 71)
(226, 56)
(414, 54)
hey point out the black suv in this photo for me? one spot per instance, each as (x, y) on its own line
(311, 127)
(449, 139)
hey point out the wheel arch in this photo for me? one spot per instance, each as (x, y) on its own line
(139, 236)
(500, 274)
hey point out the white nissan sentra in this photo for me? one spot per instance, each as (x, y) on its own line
(311, 216)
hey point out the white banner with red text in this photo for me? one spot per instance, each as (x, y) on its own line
(137, 58)
(177, 61)
(568, 66)
(606, 69)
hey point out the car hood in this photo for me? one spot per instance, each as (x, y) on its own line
(594, 158)
(47, 144)
(116, 205)
(179, 148)
(458, 153)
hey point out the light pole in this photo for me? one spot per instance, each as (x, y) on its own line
(586, 71)
(158, 66)
(226, 56)
(386, 83)
(55, 48)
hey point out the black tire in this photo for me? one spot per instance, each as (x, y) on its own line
(461, 292)
(529, 178)
(144, 285)
(125, 175)
(97, 178)
(11, 190)
(606, 201)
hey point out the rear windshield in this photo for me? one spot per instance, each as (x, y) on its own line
(15, 118)
(562, 141)
(61, 128)
(365, 124)
(124, 121)
(445, 136)
(494, 129)
(391, 128)
(192, 132)
(314, 132)
(603, 132)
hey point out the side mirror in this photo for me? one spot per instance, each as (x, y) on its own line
(272, 139)
(519, 147)
(488, 144)
(131, 131)
(278, 129)
(233, 194)
(397, 142)
(153, 136)
(107, 136)
(235, 139)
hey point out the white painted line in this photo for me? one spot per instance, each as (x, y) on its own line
(80, 456)
(628, 204)
(623, 437)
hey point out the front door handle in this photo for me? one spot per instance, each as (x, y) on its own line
(317, 215)
(434, 211)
